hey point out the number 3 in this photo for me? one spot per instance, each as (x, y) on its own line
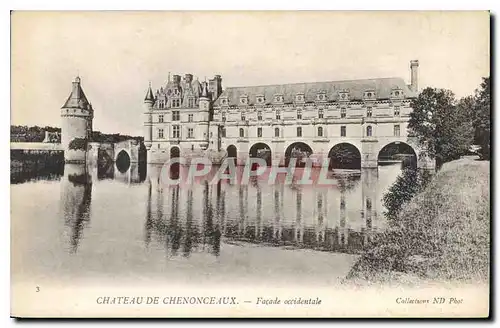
(37, 289)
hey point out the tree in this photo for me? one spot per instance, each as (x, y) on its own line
(410, 182)
(442, 125)
(481, 118)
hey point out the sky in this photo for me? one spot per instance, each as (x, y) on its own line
(117, 54)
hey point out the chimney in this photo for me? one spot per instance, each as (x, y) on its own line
(414, 75)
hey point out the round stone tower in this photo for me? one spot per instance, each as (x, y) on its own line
(76, 128)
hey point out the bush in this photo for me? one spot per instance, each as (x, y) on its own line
(407, 185)
(78, 144)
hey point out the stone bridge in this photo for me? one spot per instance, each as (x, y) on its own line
(368, 148)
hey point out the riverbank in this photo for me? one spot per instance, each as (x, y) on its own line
(443, 234)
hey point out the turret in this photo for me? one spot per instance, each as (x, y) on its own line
(149, 101)
(76, 127)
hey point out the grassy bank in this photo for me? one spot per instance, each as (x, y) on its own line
(442, 234)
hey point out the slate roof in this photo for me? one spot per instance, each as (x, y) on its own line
(149, 95)
(77, 98)
(357, 88)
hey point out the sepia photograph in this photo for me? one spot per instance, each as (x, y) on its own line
(250, 164)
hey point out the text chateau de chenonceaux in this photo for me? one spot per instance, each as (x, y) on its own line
(320, 120)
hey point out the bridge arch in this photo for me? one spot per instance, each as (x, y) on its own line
(344, 155)
(122, 161)
(299, 150)
(397, 151)
(261, 150)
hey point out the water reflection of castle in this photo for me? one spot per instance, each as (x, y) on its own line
(196, 218)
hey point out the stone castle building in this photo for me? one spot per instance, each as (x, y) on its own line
(319, 120)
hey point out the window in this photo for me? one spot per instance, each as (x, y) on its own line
(160, 118)
(397, 130)
(223, 116)
(190, 133)
(299, 132)
(190, 117)
(176, 131)
(320, 131)
(161, 104)
(342, 131)
(160, 133)
(190, 102)
(320, 113)
(223, 132)
(369, 112)
(176, 103)
(342, 112)
(192, 147)
(396, 111)
(242, 133)
(243, 118)
(259, 132)
(176, 116)
(259, 116)
(278, 115)
(299, 114)
(276, 132)
(369, 131)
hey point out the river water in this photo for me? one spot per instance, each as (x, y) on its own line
(89, 223)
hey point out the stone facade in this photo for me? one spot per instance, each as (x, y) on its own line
(187, 118)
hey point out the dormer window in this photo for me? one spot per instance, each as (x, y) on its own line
(397, 93)
(224, 101)
(176, 103)
(369, 95)
(223, 116)
(260, 99)
(344, 95)
(244, 100)
(191, 102)
(299, 98)
(243, 117)
(278, 99)
(321, 96)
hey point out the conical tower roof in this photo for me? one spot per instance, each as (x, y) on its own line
(149, 95)
(77, 98)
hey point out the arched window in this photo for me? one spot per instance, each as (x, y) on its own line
(320, 131)
(242, 133)
(276, 132)
(369, 131)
